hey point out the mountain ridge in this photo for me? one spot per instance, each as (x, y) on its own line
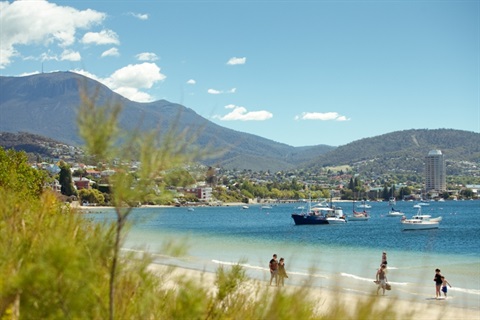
(46, 104)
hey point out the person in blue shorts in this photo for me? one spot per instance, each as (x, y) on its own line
(444, 286)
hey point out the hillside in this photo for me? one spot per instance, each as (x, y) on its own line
(46, 104)
(404, 150)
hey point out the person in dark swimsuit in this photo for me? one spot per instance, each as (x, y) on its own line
(273, 265)
(438, 283)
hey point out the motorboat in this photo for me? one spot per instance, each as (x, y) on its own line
(420, 221)
(266, 207)
(320, 215)
(395, 213)
(245, 207)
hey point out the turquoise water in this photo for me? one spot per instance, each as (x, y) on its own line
(326, 256)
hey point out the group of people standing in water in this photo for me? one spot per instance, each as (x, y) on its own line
(381, 279)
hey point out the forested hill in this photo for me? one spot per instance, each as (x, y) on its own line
(400, 151)
(403, 150)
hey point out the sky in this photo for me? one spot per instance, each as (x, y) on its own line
(297, 72)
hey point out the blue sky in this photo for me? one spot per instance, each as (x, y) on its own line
(297, 72)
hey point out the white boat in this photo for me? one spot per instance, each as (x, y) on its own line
(421, 222)
(358, 216)
(335, 215)
(266, 207)
(190, 209)
(364, 205)
(392, 201)
(395, 213)
(244, 207)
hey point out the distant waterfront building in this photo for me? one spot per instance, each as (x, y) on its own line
(435, 176)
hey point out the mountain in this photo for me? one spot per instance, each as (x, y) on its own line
(45, 104)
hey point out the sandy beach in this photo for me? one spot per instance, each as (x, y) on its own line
(328, 299)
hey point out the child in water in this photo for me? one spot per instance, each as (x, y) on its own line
(444, 286)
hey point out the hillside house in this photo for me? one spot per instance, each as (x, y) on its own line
(82, 183)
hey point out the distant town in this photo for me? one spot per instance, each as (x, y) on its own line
(203, 185)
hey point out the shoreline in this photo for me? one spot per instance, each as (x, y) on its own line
(328, 298)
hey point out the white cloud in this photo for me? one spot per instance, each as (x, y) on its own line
(89, 75)
(234, 61)
(147, 56)
(102, 37)
(70, 55)
(191, 81)
(141, 16)
(28, 74)
(112, 52)
(128, 80)
(213, 91)
(40, 22)
(241, 113)
(142, 75)
(327, 116)
(134, 94)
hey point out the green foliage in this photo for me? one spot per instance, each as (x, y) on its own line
(178, 177)
(18, 176)
(65, 180)
(91, 196)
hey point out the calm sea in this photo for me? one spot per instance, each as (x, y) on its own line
(326, 256)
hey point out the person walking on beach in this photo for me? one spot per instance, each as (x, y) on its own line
(384, 259)
(381, 278)
(444, 286)
(438, 283)
(282, 274)
(274, 269)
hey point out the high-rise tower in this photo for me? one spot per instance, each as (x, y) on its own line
(435, 176)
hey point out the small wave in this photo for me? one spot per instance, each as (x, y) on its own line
(348, 275)
(469, 291)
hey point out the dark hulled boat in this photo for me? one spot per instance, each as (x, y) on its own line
(309, 218)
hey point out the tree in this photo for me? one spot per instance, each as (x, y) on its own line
(178, 177)
(91, 196)
(211, 177)
(65, 180)
(17, 175)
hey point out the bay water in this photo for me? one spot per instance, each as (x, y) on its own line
(341, 257)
